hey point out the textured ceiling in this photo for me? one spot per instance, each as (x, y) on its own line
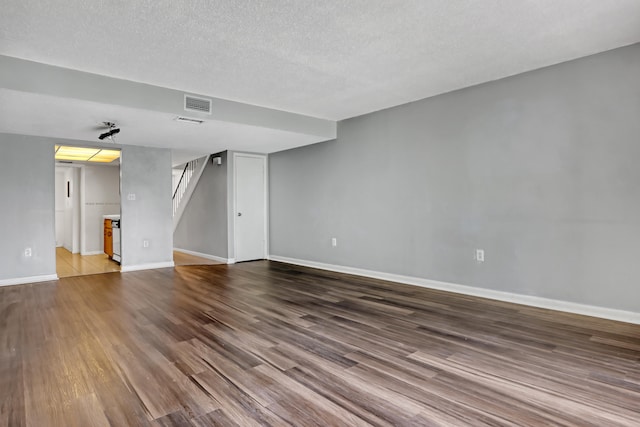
(332, 59)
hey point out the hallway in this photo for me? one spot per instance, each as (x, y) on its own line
(69, 265)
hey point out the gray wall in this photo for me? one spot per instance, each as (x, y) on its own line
(146, 172)
(101, 197)
(540, 170)
(203, 226)
(27, 213)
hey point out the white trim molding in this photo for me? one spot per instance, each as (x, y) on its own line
(151, 266)
(533, 301)
(206, 256)
(191, 188)
(92, 253)
(30, 279)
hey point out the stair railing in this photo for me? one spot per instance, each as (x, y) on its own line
(183, 183)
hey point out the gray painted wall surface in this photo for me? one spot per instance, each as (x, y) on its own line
(204, 223)
(540, 170)
(146, 172)
(101, 197)
(27, 214)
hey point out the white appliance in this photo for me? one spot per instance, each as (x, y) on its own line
(115, 225)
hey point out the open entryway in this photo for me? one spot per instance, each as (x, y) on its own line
(87, 197)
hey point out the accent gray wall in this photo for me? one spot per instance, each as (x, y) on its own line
(101, 197)
(540, 170)
(146, 172)
(204, 223)
(27, 214)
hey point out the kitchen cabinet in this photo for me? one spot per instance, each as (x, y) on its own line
(108, 238)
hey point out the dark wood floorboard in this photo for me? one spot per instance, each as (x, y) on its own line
(265, 343)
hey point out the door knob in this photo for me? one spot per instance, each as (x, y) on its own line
(239, 213)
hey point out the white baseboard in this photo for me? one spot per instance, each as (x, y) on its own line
(570, 307)
(151, 266)
(206, 256)
(31, 279)
(92, 253)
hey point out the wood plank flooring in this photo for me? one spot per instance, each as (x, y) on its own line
(180, 258)
(69, 264)
(265, 343)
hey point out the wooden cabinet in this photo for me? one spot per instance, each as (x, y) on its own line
(108, 238)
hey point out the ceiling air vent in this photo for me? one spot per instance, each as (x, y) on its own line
(189, 120)
(193, 103)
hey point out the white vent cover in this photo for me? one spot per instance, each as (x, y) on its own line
(194, 103)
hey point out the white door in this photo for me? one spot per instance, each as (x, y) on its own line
(251, 207)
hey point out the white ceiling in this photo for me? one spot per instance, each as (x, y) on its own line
(50, 116)
(331, 59)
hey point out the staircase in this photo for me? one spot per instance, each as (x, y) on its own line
(186, 185)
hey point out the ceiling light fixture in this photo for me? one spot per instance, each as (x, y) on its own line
(110, 133)
(85, 154)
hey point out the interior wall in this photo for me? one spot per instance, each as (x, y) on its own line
(71, 213)
(539, 170)
(101, 197)
(68, 210)
(146, 210)
(60, 189)
(27, 173)
(75, 209)
(203, 226)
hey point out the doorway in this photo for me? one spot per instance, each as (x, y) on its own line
(85, 192)
(250, 207)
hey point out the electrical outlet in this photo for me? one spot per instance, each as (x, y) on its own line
(145, 243)
(334, 242)
(27, 253)
(131, 196)
(480, 255)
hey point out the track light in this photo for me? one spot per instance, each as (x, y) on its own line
(109, 134)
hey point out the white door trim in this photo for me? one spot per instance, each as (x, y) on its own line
(266, 202)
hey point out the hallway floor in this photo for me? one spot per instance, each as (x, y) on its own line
(69, 265)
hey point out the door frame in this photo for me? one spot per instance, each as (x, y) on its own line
(264, 158)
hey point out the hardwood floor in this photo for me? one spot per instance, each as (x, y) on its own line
(69, 265)
(180, 258)
(265, 343)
